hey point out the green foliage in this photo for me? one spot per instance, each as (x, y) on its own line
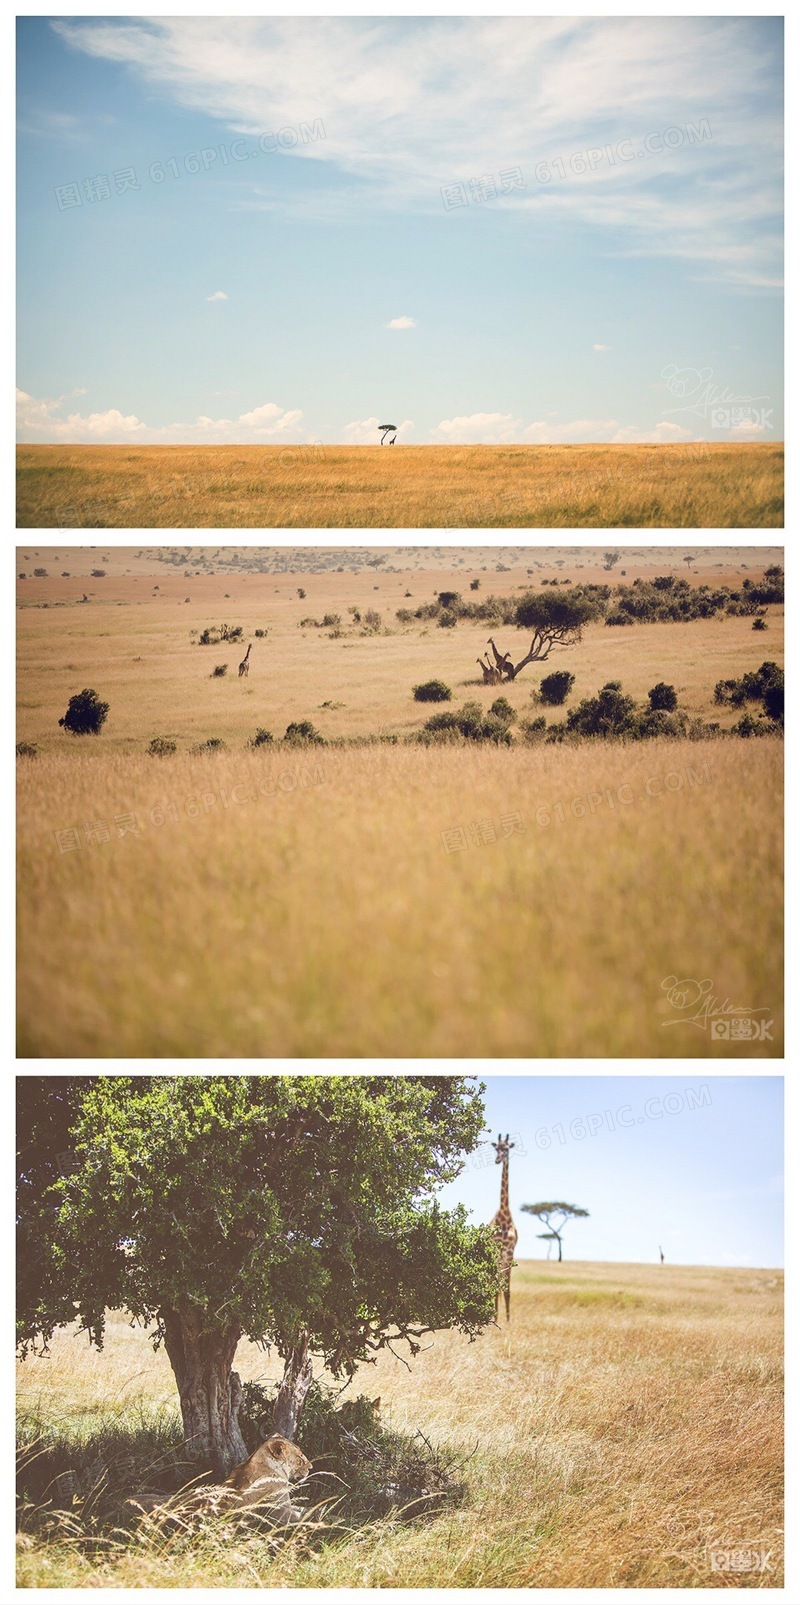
(610, 713)
(534, 729)
(291, 1202)
(449, 601)
(262, 738)
(663, 696)
(85, 714)
(759, 623)
(432, 691)
(469, 723)
(161, 747)
(218, 671)
(502, 708)
(303, 733)
(556, 687)
(567, 612)
(752, 687)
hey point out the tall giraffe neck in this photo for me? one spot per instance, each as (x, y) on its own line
(504, 1185)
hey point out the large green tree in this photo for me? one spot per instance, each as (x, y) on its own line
(297, 1211)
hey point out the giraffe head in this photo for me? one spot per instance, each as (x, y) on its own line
(502, 1147)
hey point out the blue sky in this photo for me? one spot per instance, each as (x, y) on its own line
(691, 1163)
(496, 229)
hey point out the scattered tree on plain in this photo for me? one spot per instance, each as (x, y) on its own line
(555, 1217)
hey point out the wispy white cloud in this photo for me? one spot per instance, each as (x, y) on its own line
(410, 106)
(401, 323)
(502, 428)
(219, 295)
(42, 420)
(601, 348)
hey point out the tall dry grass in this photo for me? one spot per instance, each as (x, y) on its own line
(626, 1425)
(342, 487)
(305, 901)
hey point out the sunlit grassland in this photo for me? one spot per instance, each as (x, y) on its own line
(333, 487)
(627, 1423)
(305, 903)
(142, 658)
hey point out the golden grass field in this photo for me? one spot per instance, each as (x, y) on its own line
(693, 486)
(303, 901)
(626, 1425)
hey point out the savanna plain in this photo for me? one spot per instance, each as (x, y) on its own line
(624, 1430)
(697, 485)
(368, 894)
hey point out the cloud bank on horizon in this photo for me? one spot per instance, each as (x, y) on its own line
(567, 206)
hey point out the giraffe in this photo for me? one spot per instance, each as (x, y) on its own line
(502, 660)
(244, 666)
(503, 1226)
(491, 675)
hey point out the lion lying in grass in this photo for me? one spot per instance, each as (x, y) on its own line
(262, 1483)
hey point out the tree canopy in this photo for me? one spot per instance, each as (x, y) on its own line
(293, 1210)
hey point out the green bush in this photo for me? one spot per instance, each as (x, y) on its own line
(556, 687)
(773, 701)
(262, 738)
(534, 729)
(610, 713)
(303, 733)
(85, 714)
(470, 723)
(759, 624)
(663, 696)
(432, 691)
(161, 747)
(616, 616)
(218, 671)
(503, 709)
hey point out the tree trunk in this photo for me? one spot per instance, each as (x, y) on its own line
(297, 1375)
(559, 1250)
(201, 1356)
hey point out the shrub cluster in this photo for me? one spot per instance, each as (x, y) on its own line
(469, 723)
(85, 714)
(432, 691)
(556, 687)
(302, 733)
(764, 685)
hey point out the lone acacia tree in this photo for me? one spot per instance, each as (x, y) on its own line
(296, 1211)
(555, 1216)
(555, 621)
